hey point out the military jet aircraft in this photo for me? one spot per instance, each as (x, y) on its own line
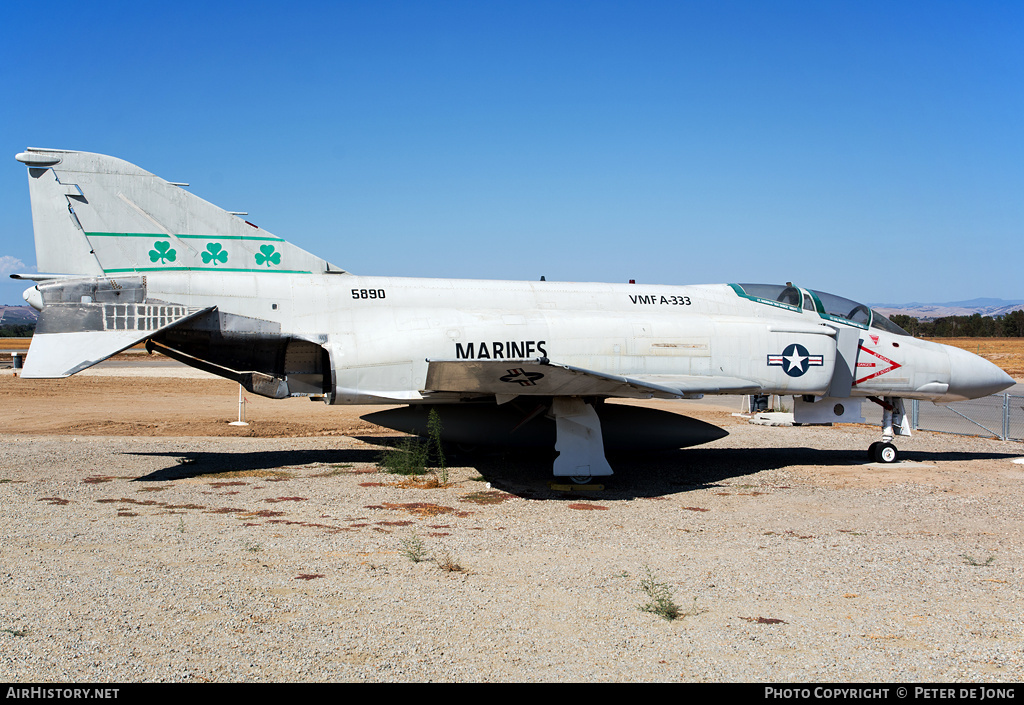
(125, 256)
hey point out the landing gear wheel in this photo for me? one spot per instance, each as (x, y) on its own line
(873, 451)
(886, 453)
(581, 479)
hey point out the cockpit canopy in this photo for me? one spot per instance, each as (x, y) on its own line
(828, 306)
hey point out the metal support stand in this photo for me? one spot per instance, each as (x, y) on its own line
(241, 410)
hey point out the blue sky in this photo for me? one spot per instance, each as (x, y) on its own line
(870, 149)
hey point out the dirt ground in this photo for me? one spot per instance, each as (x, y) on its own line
(164, 406)
(122, 401)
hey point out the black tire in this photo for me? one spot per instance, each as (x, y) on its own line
(886, 453)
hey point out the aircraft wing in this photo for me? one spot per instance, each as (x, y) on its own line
(541, 377)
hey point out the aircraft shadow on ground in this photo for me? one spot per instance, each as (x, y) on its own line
(653, 474)
(190, 464)
(528, 474)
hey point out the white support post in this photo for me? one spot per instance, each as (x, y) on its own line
(241, 410)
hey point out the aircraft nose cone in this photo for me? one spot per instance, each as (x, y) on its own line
(971, 376)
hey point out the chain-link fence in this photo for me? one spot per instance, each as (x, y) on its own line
(1014, 417)
(997, 416)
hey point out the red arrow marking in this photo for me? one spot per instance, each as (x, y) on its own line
(892, 365)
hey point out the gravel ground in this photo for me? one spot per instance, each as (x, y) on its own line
(790, 557)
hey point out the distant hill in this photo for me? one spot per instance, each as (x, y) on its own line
(18, 315)
(984, 306)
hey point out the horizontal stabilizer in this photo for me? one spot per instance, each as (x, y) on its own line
(37, 277)
(72, 337)
(540, 377)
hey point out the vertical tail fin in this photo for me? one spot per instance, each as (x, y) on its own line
(96, 215)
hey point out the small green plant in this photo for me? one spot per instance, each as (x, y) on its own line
(15, 632)
(408, 457)
(970, 560)
(449, 564)
(435, 449)
(414, 549)
(253, 547)
(413, 455)
(660, 598)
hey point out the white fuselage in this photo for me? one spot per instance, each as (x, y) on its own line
(381, 331)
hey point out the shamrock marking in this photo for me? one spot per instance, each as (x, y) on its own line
(267, 256)
(215, 253)
(162, 251)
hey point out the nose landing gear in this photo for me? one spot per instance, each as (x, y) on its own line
(894, 422)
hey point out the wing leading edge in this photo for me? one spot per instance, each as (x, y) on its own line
(541, 377)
